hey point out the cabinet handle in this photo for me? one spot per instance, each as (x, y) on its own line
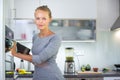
(14, 13)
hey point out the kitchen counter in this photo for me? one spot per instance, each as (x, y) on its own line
(111, 74)
(89, 75)
(76, 75)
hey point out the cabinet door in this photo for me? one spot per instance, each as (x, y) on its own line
(8, 12)
(75, 30)
(25, 8)
(72, 8)
(72, 79)
(84, 79)
(24, 78)
(111, 78)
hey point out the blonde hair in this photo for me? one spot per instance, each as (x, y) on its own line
(44, 8)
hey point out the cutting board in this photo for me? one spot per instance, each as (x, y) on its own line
(88, 72)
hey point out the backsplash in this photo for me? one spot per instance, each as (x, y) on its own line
(104, 52)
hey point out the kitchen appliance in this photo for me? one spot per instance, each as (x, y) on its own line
(69, 66)
(116, 25)
(117, 66)
(9, 59)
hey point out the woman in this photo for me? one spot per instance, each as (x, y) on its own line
(45, 48)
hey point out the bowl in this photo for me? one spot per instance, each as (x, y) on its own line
(95, 69)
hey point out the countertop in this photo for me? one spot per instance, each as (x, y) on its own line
(89, 75)
(76, 75)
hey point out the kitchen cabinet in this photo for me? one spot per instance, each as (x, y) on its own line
(68, 29)
(25, 8)
(9, 79)
(84, 79)
(24, 79)
(84, 9)
(75, 29)
(8, 13)
(67, 19)
(111, 78)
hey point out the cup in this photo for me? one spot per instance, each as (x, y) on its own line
(23, 36)
(95, 69)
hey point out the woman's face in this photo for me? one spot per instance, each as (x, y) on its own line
(42, 19)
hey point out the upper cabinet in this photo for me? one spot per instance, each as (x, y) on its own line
(82, 9)
(74, 30)
(73, 20)
(8, 8)
(70, 30)
(25, 8)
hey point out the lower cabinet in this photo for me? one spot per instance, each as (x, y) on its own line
(111, 78)
(84, 78)
(24, 78)
(8, 78)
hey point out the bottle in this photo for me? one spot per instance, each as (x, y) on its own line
(22, 64)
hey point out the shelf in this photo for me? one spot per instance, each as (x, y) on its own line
(24, 41)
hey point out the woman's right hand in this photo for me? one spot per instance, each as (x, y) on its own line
(13, 50)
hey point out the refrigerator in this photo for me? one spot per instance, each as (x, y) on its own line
(9, 59)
